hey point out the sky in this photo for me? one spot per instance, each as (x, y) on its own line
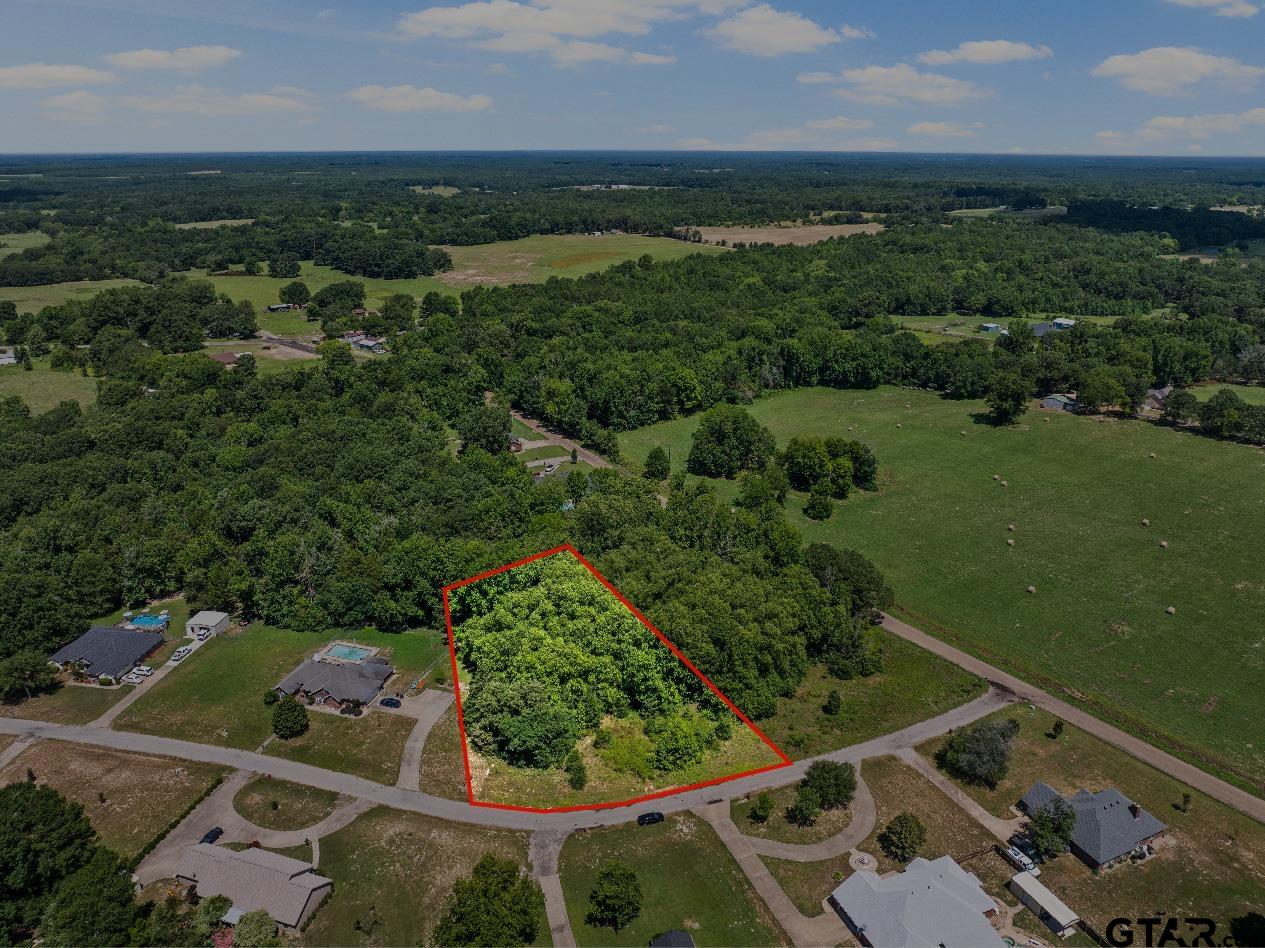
(1133, 77)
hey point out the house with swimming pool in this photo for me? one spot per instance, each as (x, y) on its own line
(342, 675)
(107, 651)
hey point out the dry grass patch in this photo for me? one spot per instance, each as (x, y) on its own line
(777, 826)
(443, 771)
(280, 805)
(128, 797)
(69, 704)
(800, 235)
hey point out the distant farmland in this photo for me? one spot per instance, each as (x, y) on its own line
(798, 234)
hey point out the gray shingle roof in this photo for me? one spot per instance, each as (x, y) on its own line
(931, 903)
(1106, 825)
(106, 650)
(344, 682)
(254, 879)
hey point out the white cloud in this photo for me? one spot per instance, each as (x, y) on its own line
(1173, 70)
(1231, 8)
(764, 31)
(817, 135)
(855, 32)
(214, 103)
(944, 129)
(48, 76)
(406, 98)
(80, 107)
(874, 144)
(815, 78)
(556, 27)
(985, 52)
(898, 85)
(325, 14)
(840, 123)
(1164, 128)
(656, 129)
(184, 59)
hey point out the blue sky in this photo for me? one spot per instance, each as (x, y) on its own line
(1172, 77)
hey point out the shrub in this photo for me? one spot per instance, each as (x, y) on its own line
(806, 808)
(903, 837)
(762, 809)
(835, 784)
(577, 773)
(289, 718)
(270, 698)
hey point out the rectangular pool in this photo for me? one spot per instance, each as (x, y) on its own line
(149, 622)
(348, 653)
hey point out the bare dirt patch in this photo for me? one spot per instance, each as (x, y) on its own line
(800, 235)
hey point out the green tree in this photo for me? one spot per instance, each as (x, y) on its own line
(285, 267)
(44, 839)
(903, 837)
(834, 703)
(497, 904)
(296, 294)
(289, 718)
(820, 506)
(834, 783)
(1007, 397)
(980, 753)
(24, 675)
(806, 808)
(807, 462)
(1057, 730)
(1180, 407)
(657, 467)
(616, 897)
(1223, 415)
(486, 427)
(256, 930)
(762, 808)
(729, 440)
(1100, 388)
(1050, 828)
(95, 906)
(577, 773)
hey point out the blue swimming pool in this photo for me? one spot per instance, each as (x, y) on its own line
(149, 622)
(348, 653)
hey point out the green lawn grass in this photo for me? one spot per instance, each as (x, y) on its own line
(263, 290)
(443, 772)
(688, 881)
(520, 430)
(31, 299)
(777, 826)
(1211, 862)
(16, 243)
(537, 454)
(393, 873)
(296, 806)
(69, 704)
(1252, 394)
(1097, 630)
(43, 388)
(369, 746)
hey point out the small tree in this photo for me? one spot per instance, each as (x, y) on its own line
(1050, 829)
(256, 930)
(296, 294)
(762, 809)
(616, 897)
(657, 465)
(980, 754)
(1007, 398)
(806, 808)
(903, 837)
(834, 703)
(289, 718)
(577, 773)
(1057, 731)
(1186, 798)
(575, 456)
(834, 783)
(820, 506)
(497, 904)
(24, 675)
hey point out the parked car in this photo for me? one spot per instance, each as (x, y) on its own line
(143, 670)
(649, 819)
(180, 653)
(131, 679)
(1019, 859)
(390, 702)
(203, 635)
(212, 835)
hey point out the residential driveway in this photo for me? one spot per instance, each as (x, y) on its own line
(546, 846)
(427, 708)
(138, 691)
(1002, 829)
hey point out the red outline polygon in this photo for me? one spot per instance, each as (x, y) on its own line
(456, 681)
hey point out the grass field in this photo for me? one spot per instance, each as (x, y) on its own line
(786, 234)
(264, 290)
(43, 388)
(69, 704)
(1097, 630)
(1210, 863)
(274, 358)
(688, 881)
(1252, 394)
(212, 225)
(31, 299)
(520, 430)
(777, 826)
(369, 746)
(442, 771)
(278, 805)
(393, 872)
(441, 190)
(128, 797)
(898, 788)
(16, 243)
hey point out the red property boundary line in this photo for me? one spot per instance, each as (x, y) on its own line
(461, 724)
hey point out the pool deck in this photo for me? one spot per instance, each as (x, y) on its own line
(326, 653)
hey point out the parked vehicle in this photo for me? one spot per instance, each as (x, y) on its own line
(180, 653)
(1019, 859)
(390, 702)
(143, 670)
(649, 819)
(203, 635)
(212, 835)
(131, 679)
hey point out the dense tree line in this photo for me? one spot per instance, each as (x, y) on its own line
(1187, 227)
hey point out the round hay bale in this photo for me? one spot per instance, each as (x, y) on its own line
(1009, 542)
(1152, 454)
(963, 432)
(1171, 610)
(1032, 589)
(996, 477)
(1010, 527)
(898, 424)
(1046, 420)
(1005, 483)
(1146, 521)
(1163, 544)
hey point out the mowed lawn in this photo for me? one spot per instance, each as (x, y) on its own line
(43, 388)
(280, 805)
(688, 881)
(1211, 862)
(31, 299)
(69, 704)
(393, 872)
(129, 798)
(1096, 631)
(1252, 394)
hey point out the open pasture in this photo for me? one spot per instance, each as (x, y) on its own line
(1096, 631)
(797, 234)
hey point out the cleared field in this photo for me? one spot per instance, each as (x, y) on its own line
(31, 299)
(536, 259)
(1210, 863)
(43, 388)
(16, 243)
(128, 797)
(269, 357)
(278, 805)
(264, 290)
(69, 704)
(688, 881)
(797, 234)
(393, 872)
(1252, 394)
(440, 190)
(1096, 631)
(212, 225)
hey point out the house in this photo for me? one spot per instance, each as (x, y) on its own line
(1062, 323)
(213, 623)
(107, 651)
(370, 344)
(933, 902)
(1054, 325)
(287, 889)
(990, 327)
(226, 359)
(1044, 904)
(283, 307)
(1155, 397)
(8, 355)
(337, 685)
(1109, 827)
(1065, 402)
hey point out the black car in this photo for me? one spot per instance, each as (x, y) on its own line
(649, 819)
(212, 835)
(390, 702)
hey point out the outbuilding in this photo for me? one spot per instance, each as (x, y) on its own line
(1044, 904)
(1059, 402)
(212, 623)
